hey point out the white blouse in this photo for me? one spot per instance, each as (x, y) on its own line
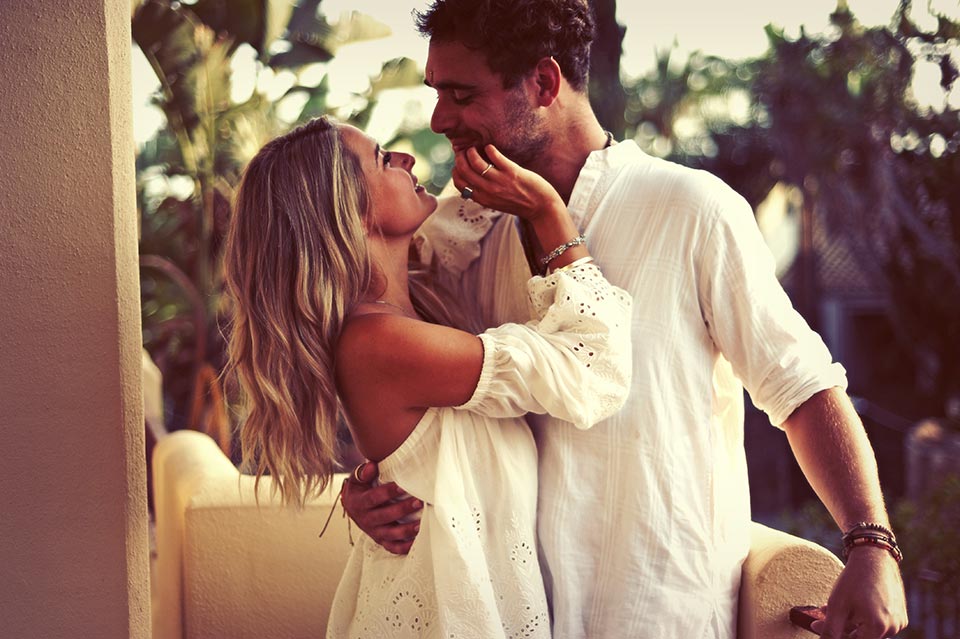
(473, 569)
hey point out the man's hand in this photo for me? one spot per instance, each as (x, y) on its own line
(377, 509)
(868, 597)
(832, 448)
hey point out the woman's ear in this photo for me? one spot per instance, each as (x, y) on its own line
(548, 76)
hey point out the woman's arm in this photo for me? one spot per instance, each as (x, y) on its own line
(414, 365)
(572, 362)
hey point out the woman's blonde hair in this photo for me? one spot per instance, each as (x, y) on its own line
(296, 265)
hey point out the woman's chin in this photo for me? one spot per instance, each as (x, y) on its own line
(431, 209)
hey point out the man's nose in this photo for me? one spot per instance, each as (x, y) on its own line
(442, 119)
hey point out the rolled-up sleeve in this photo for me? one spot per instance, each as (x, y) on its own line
(781, 361)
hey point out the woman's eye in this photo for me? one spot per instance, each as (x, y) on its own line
(387, 157)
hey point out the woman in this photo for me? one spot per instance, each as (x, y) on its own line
(328, 318)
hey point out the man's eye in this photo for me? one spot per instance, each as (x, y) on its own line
(462, 99)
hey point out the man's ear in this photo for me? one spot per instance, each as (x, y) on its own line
(548, 77)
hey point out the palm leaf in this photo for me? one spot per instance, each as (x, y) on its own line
(308, 34)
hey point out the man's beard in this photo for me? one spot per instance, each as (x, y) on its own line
(524, 137)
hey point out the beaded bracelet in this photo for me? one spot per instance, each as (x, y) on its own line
(871, 534)
(879, 542)
(560, 250)
(863, 525)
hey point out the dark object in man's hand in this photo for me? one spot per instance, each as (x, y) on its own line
(804, 616)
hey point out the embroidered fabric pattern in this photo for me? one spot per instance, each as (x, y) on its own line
(455, 237)
(503, 598)
(473, 570)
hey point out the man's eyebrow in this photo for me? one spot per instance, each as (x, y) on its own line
(449, 85)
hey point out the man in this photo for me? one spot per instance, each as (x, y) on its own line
(643, 520)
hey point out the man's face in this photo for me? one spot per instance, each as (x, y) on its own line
(473, 108)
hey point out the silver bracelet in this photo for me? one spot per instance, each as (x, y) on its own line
(560, 250)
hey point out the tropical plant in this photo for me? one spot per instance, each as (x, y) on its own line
(207, 141)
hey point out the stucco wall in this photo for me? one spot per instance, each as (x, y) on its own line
(73, 544)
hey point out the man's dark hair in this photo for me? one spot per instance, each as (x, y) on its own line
(513, 35)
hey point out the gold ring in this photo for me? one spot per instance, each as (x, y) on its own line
(357, 471)
(484, 172)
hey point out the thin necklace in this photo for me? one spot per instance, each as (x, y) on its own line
(399, 308)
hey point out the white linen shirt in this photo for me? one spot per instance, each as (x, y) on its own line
(643, 520)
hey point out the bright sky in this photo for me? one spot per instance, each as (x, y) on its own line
(727, 28)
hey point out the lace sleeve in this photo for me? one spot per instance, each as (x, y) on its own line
(574, 362)
(451, 237)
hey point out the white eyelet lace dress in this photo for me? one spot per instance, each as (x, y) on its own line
(473, 570)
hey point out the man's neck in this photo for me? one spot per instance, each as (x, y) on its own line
(568, 152)
(561, 166)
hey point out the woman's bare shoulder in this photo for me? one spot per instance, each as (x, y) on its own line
(374, 341)
(416, 363)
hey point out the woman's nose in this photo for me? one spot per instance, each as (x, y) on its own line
(406, 160)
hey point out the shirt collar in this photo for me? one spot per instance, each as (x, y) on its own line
(595, 177)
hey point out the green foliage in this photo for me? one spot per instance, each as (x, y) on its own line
(812, 521)
(927, 533)
(834, 116)
(927, 529)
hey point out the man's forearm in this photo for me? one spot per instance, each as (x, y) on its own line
(831, 446)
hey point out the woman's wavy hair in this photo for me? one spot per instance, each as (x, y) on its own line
(514, 35)
(296, 264)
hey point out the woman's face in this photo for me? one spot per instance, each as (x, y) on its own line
(398, 205)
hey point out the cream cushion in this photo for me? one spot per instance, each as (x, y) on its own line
(230, 569)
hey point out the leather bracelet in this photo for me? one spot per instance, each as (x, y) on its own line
(560, 250)
(868, 533)
(879, 541)
(864, 525)
(865, 533)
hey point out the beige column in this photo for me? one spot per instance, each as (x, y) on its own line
(73, 525)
